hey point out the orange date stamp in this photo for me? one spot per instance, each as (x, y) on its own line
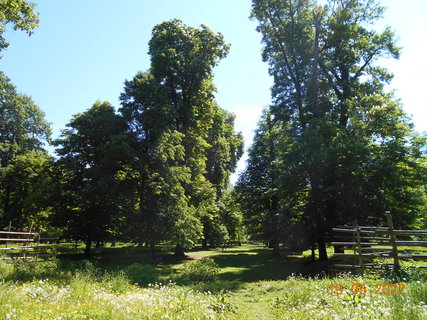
(361, 288)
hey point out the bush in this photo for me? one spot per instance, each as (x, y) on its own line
(405, 274)
(142, 274)
(203, 270)
(27, 269)
(85, 266)
(116, 282)
(6, 269)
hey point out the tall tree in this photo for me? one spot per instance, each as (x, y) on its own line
(23, 134)
(327, 87)
(94, 153)
(175, 98)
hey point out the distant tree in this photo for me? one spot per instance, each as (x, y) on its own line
(226, 148)
(257, 187)
(20, 14)
(94, 153)
(341, 133)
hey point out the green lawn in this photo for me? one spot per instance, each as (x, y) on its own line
(245, 283)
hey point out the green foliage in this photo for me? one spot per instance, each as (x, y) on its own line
(142, 275)
(27, 183)
(116, 282)
(6, 269)
(22, 124)
(24, 164)
(405, 274)
(334, 147)
(25, 270)
(19, 13)
(203, 270)
(185, 145)
(91, 174)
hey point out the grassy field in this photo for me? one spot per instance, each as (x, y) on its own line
(237, 283)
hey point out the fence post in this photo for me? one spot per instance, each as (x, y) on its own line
(395, 254)
(38, 244)
(24, 251)
(8, 230)
(359, 246)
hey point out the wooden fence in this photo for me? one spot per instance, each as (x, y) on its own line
(23, 245)
(376, 247)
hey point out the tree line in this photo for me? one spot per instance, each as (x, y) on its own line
(334, 146)
(156, 171)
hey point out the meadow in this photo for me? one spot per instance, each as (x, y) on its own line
(243, 282)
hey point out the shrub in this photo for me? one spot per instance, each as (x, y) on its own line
(142, 274)
(405, 274)
(116, 282)
(203, 270)
(6, 269)
(27, 269)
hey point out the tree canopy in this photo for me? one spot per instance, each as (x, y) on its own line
(20, 14)
(333, 147)
(344, 150)
(185, 143)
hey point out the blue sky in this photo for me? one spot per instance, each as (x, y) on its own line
(84, 50)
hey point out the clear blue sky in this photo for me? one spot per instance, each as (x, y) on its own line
(84, 50)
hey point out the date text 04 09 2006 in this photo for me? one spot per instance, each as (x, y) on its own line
(361, 288)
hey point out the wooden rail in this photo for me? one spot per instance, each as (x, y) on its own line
(370, 244)
(25, 245)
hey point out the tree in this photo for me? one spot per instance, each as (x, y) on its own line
(27, 179)
(327, 89)
(91, 173)
(22, 124)
(19, 13)
(174, 100)
(257, 188)
(23, 133)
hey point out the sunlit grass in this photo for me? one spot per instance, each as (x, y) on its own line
(244, 283)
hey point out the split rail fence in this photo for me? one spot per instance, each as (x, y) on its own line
(24, 245)
(377, 247)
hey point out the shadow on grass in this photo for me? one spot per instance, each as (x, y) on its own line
(238, 265)
(250, 267)
(114, 258)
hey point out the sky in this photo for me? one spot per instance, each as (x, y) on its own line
(83, 51)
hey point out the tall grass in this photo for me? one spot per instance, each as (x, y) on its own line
(84, 291)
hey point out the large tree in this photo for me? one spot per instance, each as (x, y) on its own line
(347, 138)
(91, 174)
(174, 99)
(23, 134)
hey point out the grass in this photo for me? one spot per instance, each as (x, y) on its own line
(238, 283)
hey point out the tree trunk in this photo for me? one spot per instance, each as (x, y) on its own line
(88, 246)
(322, 248)
(179, 251)
(153, 249)
(205, 244)
(313, 252)
(274, 243)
